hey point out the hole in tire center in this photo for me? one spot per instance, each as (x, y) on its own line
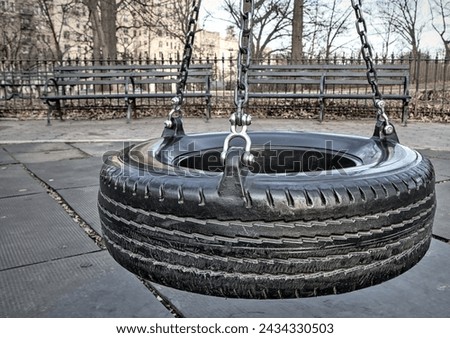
(272, 161)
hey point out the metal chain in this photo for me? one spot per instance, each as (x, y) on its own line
(240, 118)
(372, 76)
(177, 101)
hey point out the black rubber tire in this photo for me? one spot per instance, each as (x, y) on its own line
(312, 231)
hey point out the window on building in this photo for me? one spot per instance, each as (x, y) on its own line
(25, 23)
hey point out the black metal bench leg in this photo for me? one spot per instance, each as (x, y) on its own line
(51, 108)
(131, 109)
(322, 109)
(405, 113)
(208, 109)
(49, 112)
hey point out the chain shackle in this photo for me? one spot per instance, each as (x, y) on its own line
(178, 100)
(372, 75)
(239, 118)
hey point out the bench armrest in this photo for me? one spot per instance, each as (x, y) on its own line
(50, 83)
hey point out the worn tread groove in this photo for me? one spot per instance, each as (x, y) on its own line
(374, 191)
(363, 194)
(337, 197)
(386, 192)
(408, 188)
(309, 201)
(269, 198)
(289, 199)
(323, 199)
(161, 193)
(350, 196)
(180, 195)
(397, 190)
(201, 197)
(248, 199)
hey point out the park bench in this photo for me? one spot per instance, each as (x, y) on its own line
(128, 84)
(328, 81)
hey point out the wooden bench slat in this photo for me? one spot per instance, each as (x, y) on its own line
(285, 81)
(75, 82)
(353, 82)
(91, 96)
(286, 95)
(128, 68)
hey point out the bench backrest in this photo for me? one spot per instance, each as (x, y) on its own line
(388, 75)
(320, 77)
(145, 77)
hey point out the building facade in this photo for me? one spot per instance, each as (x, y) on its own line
(61, 29)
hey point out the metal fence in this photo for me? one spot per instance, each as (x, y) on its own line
(22, 83)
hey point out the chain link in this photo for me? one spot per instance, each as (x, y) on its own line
(177, 101)
(240, 118)
(372, 75)
(244, 57)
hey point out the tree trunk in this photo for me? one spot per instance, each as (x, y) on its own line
(102, 15)
(297, 32)
(108, 10)
(447, 49)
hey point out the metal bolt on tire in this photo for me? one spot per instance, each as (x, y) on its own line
(315, 214)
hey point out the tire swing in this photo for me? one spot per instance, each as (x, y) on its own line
(267, 214)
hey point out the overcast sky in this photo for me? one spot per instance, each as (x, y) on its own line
(217, 23)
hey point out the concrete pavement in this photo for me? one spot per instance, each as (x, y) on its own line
(53, 265)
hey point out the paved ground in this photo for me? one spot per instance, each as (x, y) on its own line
(51, 265)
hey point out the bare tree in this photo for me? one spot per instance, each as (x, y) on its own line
(102, 17)
(17, 30)
(11, 36)
(311, 27)
(404, 15)
(325, 25)
(272, 21)
(335, 25)
(56, 18)
(440, 12)
(384, 29)
(164, 17)
(328, 21)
